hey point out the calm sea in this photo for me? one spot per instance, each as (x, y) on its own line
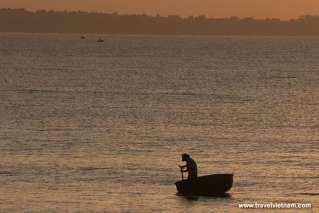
(99, 127)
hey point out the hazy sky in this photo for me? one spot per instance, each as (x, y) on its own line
(212, 8)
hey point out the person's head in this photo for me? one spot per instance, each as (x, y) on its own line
(185, 157)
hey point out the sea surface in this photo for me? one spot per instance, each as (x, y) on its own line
(100, 127)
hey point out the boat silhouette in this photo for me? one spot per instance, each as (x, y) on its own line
(210, 185)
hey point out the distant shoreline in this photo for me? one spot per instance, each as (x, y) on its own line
(23, 21)
(102, 35)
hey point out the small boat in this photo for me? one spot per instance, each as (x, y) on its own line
(100, 40)
(82, 37)
(210, 185)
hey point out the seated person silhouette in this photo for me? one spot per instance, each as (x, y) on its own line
(190, 167)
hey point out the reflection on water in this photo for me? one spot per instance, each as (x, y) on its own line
(89, 126)
(196, 198)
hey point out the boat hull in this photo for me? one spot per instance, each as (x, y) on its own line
(210, 185)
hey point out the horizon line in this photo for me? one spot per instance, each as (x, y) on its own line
(153, 15)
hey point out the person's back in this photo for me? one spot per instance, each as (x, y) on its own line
(191, 166)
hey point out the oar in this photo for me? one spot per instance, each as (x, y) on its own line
(182, 172)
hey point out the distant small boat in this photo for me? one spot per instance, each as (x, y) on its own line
(210, 185)
(82, 37)
(100, 40)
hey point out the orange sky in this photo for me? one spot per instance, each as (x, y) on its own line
(212, 8)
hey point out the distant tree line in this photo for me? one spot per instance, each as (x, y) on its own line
(21, 20)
